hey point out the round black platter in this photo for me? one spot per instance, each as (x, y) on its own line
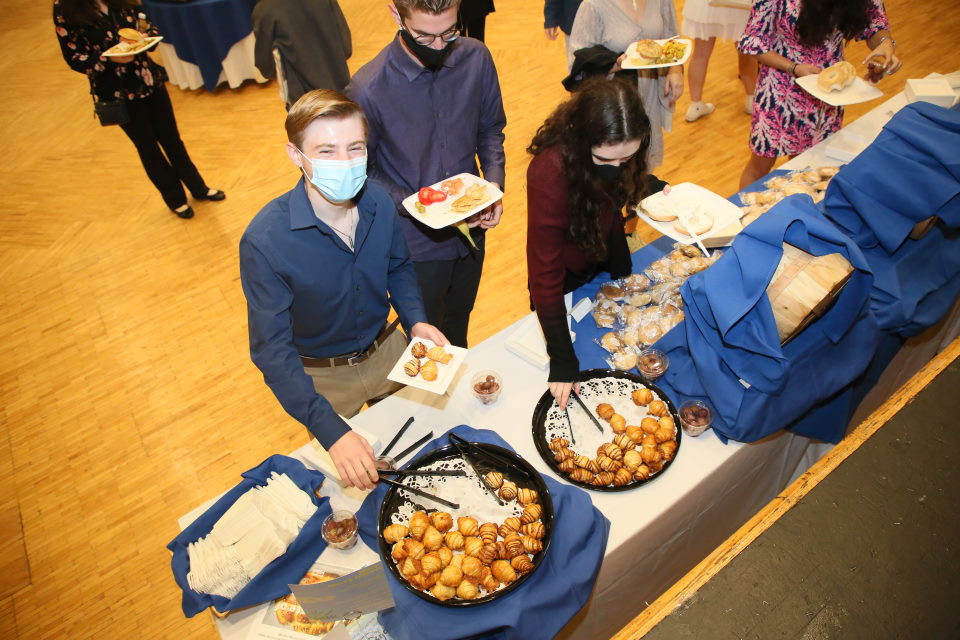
(512, 466)
(546, 404)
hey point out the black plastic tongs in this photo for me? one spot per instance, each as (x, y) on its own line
(464, 447)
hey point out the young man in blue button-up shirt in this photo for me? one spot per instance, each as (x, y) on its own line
(320, 267)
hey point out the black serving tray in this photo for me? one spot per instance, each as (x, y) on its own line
(512, 466)
(547, 403)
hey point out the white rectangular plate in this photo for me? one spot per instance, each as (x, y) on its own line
(859, 91)
(445, 372)
(149, 42)
(686, 55)
(438, 214)
(725, 213)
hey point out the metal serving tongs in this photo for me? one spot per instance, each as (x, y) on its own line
(420, 492)
(462, 447)
(576, 396)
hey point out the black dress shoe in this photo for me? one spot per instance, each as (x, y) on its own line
(184, 213)
(216, 196)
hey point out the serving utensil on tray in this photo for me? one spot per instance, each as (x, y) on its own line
(576, 396)
(403, 429)
(566, 412)
(416, 445)
(439, 472)
(462, 446)
(420, 492)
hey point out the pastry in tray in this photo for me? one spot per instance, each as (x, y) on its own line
(466, 559)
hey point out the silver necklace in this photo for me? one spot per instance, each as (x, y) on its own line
(348, 236)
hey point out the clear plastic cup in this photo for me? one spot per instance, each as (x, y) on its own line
(695, 417)
(652, 363)
(386, 463)
(340, 529)
(486, 386)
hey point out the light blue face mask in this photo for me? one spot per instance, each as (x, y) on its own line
(337, 180)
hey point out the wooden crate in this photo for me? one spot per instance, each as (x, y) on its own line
(804, 287)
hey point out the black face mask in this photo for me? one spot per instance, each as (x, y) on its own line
(429, 57)
(607, 172)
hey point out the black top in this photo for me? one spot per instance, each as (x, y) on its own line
(82, 45)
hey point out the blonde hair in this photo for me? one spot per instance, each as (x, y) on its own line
(435, 7)
(320, 103)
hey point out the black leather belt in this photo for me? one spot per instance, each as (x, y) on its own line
(355, 358)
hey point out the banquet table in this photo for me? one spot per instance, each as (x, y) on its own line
(660, 530)
(206, 42)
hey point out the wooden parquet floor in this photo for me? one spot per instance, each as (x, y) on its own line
(126, 389)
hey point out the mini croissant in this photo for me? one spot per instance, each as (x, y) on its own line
(658, 408)
(603, 478)
(467, 526)
(489, 532)
(618, 423)
(587, 463)
(521, 563)
(467, 590)
(472, 567)
(431, 563)
(508, 490)
(559, 443)
(514, 544)
(611, 451)
(438, 354)
(642, 472)
(395, 533)
(531, 545)
(472, 546)
(527, 496)
(503, 572)
(641, 397)
(566, 466)
(622, 477)
(412, 368)
(624, 442)
(531, 513)
(428, 370)
(493, 479)
(534, 530)
(632, 460)
(442, 520)
(487, 553)
(581, 475)
(605, 410)
(442, 592)
(418, 350)
(454, 539)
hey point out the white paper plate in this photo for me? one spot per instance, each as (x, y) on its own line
(725, 214)
(438, 214)
(445, 372)
(149, 42)
(686, 55)
(859, 91)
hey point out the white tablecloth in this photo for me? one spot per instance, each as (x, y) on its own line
(237, 66)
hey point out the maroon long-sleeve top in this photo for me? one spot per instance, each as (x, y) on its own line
(555, 264)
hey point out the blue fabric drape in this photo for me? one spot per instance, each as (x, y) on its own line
(287, 569)
(909, 173)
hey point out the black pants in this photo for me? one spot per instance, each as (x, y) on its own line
(153, 130)
(449, 289)
(473, 27)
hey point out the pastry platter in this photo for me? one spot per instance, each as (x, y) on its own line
(646, 452)
(859, 91)
(470, 532)
(464, 195)
(117, 51)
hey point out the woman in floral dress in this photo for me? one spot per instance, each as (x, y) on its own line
(86, 29)
(795, 38)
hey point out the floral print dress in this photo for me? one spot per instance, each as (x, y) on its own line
(786, 119)
(82, 45)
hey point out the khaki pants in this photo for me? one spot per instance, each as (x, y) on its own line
(348, 388)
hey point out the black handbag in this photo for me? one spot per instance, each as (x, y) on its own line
(111, 112)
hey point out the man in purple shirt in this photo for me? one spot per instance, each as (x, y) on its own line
(434, 107)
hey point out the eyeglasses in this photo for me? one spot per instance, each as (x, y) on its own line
(427, 39)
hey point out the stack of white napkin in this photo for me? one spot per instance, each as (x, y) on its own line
(253, 532)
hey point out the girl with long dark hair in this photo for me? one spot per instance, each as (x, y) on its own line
(589, 161)
(86, 29)
(795, 38)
